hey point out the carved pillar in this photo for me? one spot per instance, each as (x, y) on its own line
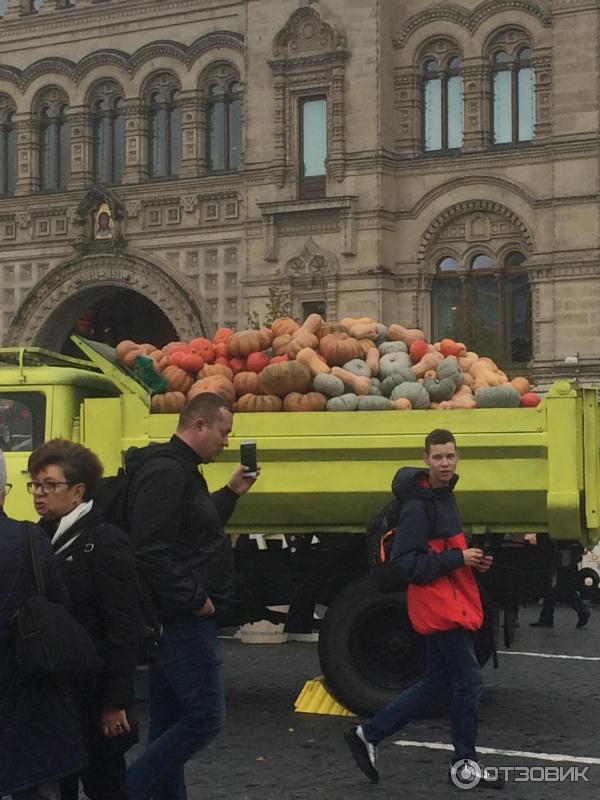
(336, 165)
(136, 141)
(270, 238)
(188, 102)
(202, 143)
(408, 92)
(82, 143)
(477, 106)
(28, 168)
(542, 70)
(279, 135)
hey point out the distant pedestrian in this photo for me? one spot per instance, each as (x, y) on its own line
(40, 740)
(98, 566)
(430, 551)
(185, 556)
(564, 573)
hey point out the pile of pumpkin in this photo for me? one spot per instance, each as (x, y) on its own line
(354, 364)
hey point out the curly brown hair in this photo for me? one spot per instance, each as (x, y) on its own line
(79, 464)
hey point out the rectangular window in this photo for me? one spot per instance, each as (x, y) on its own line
(455, 111)
(526, 105)
(313, 147)
(433, 114)
(502, 107)
(216, 129)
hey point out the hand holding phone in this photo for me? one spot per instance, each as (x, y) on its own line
(248, 457)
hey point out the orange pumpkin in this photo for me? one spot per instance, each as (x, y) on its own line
(190, 362)
(217, 369)
(130, 357)
(204, 347)
(418, 349)
(338, 348)
(223, 335)
(278, 359)
(169, 348)
(216, 384)
(256, 362)
(301, 342)
(237, 365)
(281, 379)
(168, 403)
(221, 350)
(330, 327)
(530, 400)
(398, 333)
(251, 341)
(281, 344)
(246, 383)
(313, 401)
(259, 403)
(124, 347)
(284, 325)
(178, 380)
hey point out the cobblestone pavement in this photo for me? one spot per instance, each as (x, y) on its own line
(537, 705)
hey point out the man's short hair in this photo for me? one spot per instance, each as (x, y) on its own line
(205, 405)
(3, 476)
(439, 436)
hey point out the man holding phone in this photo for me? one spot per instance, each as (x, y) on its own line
(184, 554)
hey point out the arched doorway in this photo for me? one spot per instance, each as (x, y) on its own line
(109, 298)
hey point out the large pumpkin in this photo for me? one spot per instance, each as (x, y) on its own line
(284, 325)
(246, 383)
(252, 341)
(178, 379)
(338, 348)
(281, 379)
(259, 403)
(168, 403)
(216, 384)
(313, 401)
(217, 369)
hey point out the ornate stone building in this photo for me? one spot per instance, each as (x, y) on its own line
(167, 167)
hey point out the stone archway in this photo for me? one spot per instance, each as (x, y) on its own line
(50, 310)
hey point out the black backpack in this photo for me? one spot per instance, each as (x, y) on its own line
(381, 530)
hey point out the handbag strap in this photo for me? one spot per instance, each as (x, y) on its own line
(34, 554)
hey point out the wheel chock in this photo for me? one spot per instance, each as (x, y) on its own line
(316, 699)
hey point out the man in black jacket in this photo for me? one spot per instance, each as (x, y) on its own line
(183, 553)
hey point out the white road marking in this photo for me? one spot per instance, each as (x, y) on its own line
(548, 655)
(510, 753)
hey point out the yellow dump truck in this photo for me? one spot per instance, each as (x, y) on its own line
(323, 477)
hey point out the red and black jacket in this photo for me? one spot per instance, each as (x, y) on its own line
(442, 591)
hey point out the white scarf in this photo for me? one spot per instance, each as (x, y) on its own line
(68, 521)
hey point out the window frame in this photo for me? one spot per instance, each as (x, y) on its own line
(112, 114)
(228, 98)
(514, 64)
(311, 187)
(444, 74)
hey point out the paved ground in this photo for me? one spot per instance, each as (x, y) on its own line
(269, 752)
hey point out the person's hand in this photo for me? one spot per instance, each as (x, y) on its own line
(207, 609)
(240, 481)
(473, 556)
(530, 538)
(114, 722)
(485, 564)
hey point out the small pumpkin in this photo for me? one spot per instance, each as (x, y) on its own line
(130, 357)
(530, 400)
(393, 362)
(284, 325)
(448, 368)
(124, 347)
(373, 403)
(168, 403)
(418, 349)
(414, 392)
(217, 369)
(178, 380)
(223, 335)
(358, 385)
(190, 362)
(301, 341)
(312, 401)
(358, 367)
(439, 390)
(256, 362)
(346, 402)
(385, 348)
(203, 347)
(401, 404)
(172, 346)
(328, 385)
(280, 345)
(521, 385)
(338, 348)
(402, 375)
(237, 365)
(284, 378)
(259, 404)
(246, 383)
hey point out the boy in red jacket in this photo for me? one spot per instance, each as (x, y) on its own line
(430, 551)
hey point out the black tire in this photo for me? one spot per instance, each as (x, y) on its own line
(588, 574)
(368, 649)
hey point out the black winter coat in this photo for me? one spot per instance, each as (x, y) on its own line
(177, 529)
(39, 729)
(99, 571)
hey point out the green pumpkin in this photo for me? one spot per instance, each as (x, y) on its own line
(393, 362)
(347, 402)
(414, 392)
(505, 396)
(439, 390)
(448, 368)
(358, 367)
(328, 385)
(370, 403)
(385, 348)
(404, 375)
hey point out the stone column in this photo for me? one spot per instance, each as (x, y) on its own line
(542, 70)
(477, 106)
(336, 166)
(279, 134)
(136, 141)
(408, 103)
(188, 102)
(82, 143)
(28, 157)
(202, 142)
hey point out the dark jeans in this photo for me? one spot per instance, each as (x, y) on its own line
(45, 791)
(104, 779)
(451, 665)
(572, 596)
(187, 708)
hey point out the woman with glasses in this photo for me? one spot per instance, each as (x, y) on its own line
(99, 571)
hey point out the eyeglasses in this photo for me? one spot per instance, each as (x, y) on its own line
(45, 487)
(7, 488)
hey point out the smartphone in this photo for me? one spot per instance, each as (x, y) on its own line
(248, 456)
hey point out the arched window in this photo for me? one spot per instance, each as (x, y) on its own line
(8, 146)
(486, 305)
(443, 104)
(54, 141)
(513, 103)
(224, 118)
(109, 133)
(164, 127)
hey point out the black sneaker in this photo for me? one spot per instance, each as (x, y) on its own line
(468, 774)
(541, 624)
(583, 619)
(363, 752)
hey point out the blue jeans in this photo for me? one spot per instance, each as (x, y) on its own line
(451, 664)
(187, 708)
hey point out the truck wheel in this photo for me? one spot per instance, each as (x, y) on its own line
(588, 581)
(368, 649)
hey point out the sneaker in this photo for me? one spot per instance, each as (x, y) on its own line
(583, 619)
(468, 774)
(363, 752)
(541, 624)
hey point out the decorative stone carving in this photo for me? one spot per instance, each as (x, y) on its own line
(312, 261)
(306, 32)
